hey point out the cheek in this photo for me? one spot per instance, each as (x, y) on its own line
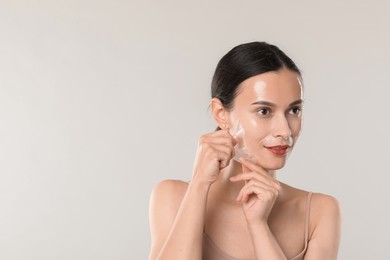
(256, 130)
(295, 127)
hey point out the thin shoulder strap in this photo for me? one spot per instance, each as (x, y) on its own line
(307, 221)
(308, 216)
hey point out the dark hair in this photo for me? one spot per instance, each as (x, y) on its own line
(245, 61)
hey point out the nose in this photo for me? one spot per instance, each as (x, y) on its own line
(281, 127)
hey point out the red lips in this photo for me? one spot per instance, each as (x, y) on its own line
(279, 150)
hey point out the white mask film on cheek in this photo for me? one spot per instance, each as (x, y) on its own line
(270, 140)
(241, 150)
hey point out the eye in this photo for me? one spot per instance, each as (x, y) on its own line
(264, 111)
(296, 110)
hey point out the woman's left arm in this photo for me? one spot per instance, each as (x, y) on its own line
(266, 246)
(326, 225)
(258, 197)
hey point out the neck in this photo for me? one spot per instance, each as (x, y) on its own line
(235, 168)
(231, 189)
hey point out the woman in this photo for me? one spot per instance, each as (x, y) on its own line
(233, 207)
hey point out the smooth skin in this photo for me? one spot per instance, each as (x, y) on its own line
(241, 205)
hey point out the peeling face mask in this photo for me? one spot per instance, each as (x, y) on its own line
(265, 120)
(241, 149)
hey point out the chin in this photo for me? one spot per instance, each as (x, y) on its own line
(272, 163)
(275, 167)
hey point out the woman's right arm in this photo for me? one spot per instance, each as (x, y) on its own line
(177, 211)
(177, 228)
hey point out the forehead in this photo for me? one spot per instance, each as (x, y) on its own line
(279, 87)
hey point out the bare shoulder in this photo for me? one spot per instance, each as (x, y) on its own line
(169, 190)
(322, 205)
(165, 202)
(325, 227)
(319, 201)
(324, 200)
(325, 206)
(166, 198)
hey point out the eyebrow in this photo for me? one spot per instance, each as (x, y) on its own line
(270, 104)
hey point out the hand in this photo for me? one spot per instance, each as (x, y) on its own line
(259, 192)
(215, 150)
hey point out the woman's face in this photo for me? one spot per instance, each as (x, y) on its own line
(267, 113)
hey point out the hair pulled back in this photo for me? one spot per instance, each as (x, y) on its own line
(245, 61)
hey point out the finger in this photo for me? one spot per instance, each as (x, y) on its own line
(222, 140)
(217, 152)
(227, 151)
(237, 139)
(261, 191)
(223, 132)
(258, 183)
(245, 169)
(218, 140)
(223, 154)
(226, 133)
(206, 145)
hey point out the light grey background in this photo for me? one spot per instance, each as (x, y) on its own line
(100, 100)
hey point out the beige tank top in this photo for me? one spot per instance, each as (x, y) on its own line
(211, 251)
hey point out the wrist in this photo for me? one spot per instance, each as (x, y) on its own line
(258, 225)
(199, 185)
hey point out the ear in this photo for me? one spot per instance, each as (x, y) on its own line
(219, 113)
